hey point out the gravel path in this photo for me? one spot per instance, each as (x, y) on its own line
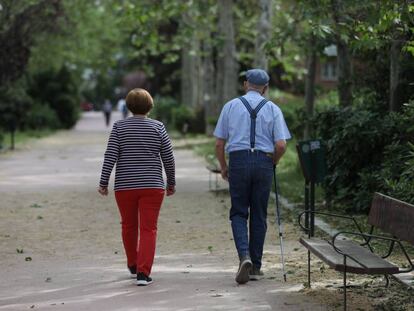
(61, 246)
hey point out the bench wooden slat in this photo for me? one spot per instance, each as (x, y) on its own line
(392, 216)
(325, 251)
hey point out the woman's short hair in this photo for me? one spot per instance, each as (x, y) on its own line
(139, 101)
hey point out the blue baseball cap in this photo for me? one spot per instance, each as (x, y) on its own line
(257, 76)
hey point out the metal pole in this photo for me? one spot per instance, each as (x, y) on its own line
(279, 222)
(312, 208)
(307, 214)
(12, 140)
(309, 267)
(344, 283)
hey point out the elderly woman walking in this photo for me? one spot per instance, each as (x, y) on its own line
(139, 146)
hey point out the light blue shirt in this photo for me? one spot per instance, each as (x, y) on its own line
(234, 125)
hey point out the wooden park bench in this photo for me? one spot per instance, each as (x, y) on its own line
(391, 216)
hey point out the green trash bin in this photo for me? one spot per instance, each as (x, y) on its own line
(312, 160)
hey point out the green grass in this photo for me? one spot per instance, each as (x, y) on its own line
(290, 177)
(23, 137)
(207, 150)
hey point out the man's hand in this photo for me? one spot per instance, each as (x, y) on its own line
(103, 190)
(220, 143)
(170, 190)
(275, 160)
(280, 149)
(225, 173)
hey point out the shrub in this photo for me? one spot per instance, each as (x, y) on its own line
(182, 115)
(66, 108)
(163, 109)
(59, 90)
(366, 152)
(295, 120)
(41, 117)
(1, 140)
(14, 105)
(174, 115)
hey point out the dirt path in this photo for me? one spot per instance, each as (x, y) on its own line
(61, 246)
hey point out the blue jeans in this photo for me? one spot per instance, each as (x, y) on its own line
(250, 180)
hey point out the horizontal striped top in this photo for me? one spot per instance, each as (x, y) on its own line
(138, 145)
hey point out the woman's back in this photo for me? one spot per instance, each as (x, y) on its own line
(139, 145)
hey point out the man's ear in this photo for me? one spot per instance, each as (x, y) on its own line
(265, 89)
(245, 85)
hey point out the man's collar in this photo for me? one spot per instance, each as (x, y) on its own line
(254, 92)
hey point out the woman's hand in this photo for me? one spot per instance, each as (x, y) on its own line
(170, 190)
(103, 190)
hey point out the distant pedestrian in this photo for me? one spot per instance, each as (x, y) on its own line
(140, 148)
(122, 107)
(256, 133)
(107, 110)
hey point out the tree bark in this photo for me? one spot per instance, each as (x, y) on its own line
(310, 87)
(227, 65)
(210, 104)
(190, 67)
(264, 26)
(343, 57)
(395, 68)
(344, 74)
(185, 77)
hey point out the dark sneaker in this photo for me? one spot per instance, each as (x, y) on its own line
(242, 275)
(143, 280)
(133, 271)
(255, 274)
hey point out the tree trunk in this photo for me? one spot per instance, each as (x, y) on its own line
(310, 87)
(264, 25)
(210, 104)
(227, 65)
(395, 68)
(343, 57)
(344, 74)
(185, 77)
(190, 66)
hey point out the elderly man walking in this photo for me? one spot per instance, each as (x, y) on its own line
(256, 133)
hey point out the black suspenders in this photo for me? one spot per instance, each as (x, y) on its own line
(253, 115)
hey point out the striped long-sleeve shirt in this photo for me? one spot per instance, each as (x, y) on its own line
(138, 145)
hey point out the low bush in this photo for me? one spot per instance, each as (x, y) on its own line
(59, 90)
(367, 151)
(181, 118)
(41, 117)
(67, 109)
(14, 105)
(176, 116)
(163, 109)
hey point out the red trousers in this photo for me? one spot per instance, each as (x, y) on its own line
(139, 209)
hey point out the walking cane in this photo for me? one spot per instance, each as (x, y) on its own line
(279, 222)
